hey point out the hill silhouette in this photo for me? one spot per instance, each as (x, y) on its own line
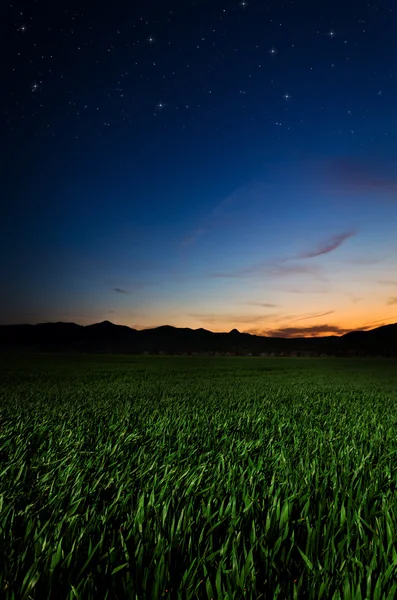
(106, 337)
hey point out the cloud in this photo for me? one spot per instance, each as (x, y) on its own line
(279, 268)
(315, 315)
(191, 239)
(363, 260)
(313, 331)
(392, 300)
(288, 331)
(328, 245)
(286, 319)
(341, 173)
(387, 281)
(218, 319)
(264, 304)
(354, 298)
(363, 176)
(222, 318)
(272, 270)
(238, 207)
(378, 323)
(127, 287)
(306, 291)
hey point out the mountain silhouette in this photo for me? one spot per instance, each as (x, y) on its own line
(106, 337)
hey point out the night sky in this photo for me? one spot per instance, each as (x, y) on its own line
(208, 164)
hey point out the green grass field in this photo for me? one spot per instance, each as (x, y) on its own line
(186, 477)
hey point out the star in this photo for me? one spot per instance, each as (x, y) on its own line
(34, 87)
(150, 39)
(22, 28)
(331, 33)
(286, 96)
(272, 51)
(243, 4)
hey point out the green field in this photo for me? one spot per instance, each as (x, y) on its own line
(187, 477)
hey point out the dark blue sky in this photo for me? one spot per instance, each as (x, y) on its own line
(215, 164)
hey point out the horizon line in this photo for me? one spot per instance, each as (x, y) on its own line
(366, 329)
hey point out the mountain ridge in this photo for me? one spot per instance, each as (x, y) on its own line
(106, 337)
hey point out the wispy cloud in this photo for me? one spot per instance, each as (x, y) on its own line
(221, 318)
(387, 281)
(232, 210)
(364, 176)
(288, 331)
(279, 268)
(272, 270)
(315, 315)
(297, 317)
(328, 245)
(214, 318)
(354, 298)
(263, 304)
(191, 239)
(346, 173)
(286, 320)
(363, 260)
(379, 323)
(130, 288)
(286, 270)
(306, 291)
(392, 300)
(313, 331)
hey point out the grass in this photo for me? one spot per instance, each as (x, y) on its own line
(224, 478)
